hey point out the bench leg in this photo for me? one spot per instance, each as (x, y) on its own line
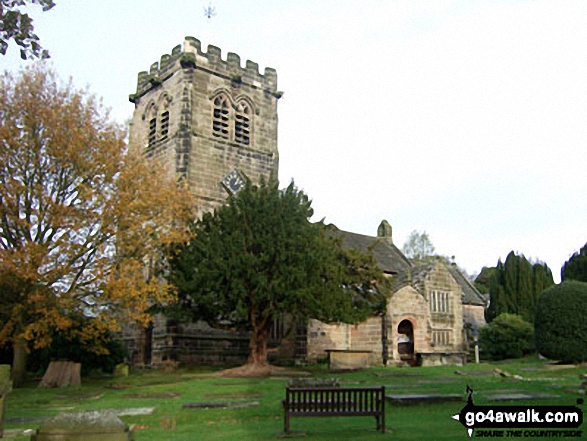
(286, 422)
(380, 423)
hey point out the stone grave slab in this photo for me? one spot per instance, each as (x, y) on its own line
(220, 405)
(133, 411)
(520, 396)
(228, 396)
(408, 399)
(84, 426)
(5, 389)
(482, 373)
(153, 395)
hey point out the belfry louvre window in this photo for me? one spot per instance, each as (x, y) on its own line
(221, 117)
(242, 124)
(152, 131)
(439, 301)
(164, 124)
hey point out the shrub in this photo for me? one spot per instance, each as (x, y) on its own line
(507, 336)
(560, 324)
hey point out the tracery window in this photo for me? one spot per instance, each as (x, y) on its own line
(221, 117)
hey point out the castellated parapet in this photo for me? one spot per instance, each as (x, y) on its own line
(206, 118)
(191, 55)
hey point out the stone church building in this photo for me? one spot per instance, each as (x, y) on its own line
(214, 123)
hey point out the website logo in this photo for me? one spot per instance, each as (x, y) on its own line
(520, 421)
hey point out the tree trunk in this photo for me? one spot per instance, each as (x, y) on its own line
(18, 361)
(258, 346)
(62, 374)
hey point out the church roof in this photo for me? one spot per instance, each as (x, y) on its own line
(388, 256)
(471, 296)
(392, 261)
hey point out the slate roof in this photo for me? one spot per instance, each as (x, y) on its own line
(388, 256)
(392, 261)
(471, 296)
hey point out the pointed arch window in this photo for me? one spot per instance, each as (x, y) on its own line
(152, 138)
(242, 123)
(221, 117)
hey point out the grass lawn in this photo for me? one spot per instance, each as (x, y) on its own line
(168, 391)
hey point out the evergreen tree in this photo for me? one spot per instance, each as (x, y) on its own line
(576, 267)
(514, 286)
(259, 256)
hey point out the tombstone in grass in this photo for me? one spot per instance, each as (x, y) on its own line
(84, 426)
(62, 374)
(5, 388)
(122, 370)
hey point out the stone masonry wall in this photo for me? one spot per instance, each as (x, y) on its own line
(408, 304)
(322, 336)
(367, 336)
(440, 279)
(185, 84)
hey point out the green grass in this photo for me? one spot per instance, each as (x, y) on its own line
(265, 422)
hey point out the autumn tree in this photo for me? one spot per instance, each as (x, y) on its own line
(81, 216)
(259, 256)
(18, 26)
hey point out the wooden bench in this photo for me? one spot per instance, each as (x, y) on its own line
(327, 402)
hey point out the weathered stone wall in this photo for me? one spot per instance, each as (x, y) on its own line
(439, 279)
(474, 315)
(186, 83)
(322, 336)
(363, 336)
(367, 336)
(174, 123)
(407, 304)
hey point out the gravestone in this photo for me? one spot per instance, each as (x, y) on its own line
(5, 388)
(84, 426)
(314, 382)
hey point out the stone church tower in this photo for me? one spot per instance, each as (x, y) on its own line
(211, 121)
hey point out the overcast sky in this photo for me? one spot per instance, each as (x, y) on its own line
(464, 119)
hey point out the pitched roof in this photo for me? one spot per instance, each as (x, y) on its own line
(388, 256)
(392, 261)
(471, 296)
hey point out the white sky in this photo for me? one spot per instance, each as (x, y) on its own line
(466, 119)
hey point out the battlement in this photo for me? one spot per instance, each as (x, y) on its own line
(192, 56)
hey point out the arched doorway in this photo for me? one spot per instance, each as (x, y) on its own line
(405, 341)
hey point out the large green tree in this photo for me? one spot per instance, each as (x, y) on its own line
(576, 267)
(515, 285)
(560, 327)
(17, 26)
(259, 256)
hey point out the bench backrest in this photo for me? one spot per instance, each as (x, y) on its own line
(335, 400)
